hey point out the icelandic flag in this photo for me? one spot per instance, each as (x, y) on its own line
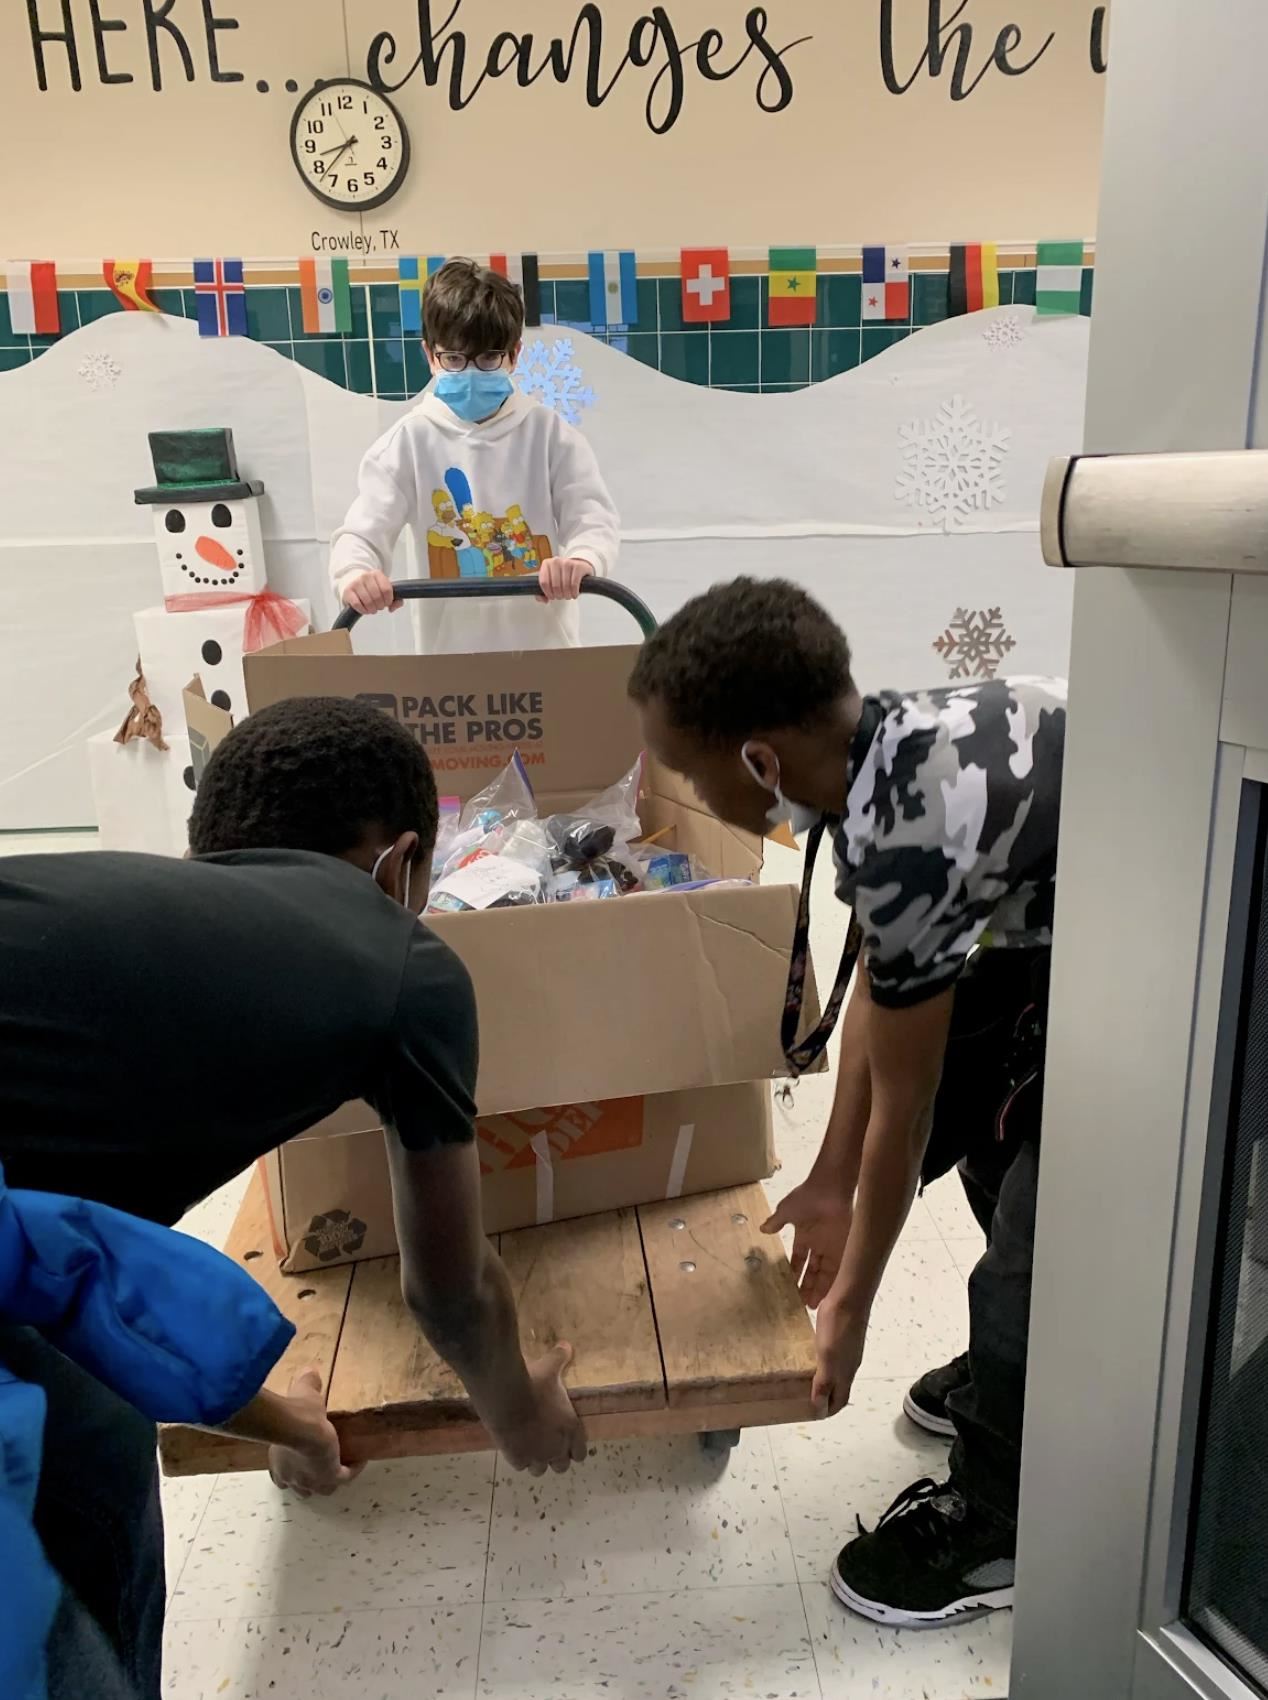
(886, 284)
(221, 298)
(613, 288)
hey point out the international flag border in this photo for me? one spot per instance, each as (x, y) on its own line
(32, 289)
(613, 272)
(1059, 278)
(886, 284)
(142, 282)
(695, 311)
(221, 298)
(522, 270)
(973, 278)
(340, 303)
(409, 286)
(785, 307)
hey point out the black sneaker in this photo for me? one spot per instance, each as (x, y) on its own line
(931, 1558)
(926, 1402)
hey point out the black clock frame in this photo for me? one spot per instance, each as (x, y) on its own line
(375, 200)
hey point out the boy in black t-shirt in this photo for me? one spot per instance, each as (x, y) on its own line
(942, 807)
(164, 1023)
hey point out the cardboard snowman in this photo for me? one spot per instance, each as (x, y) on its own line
(217, 605)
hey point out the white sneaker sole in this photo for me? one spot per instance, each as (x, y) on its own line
(895, 1617)
(941, 1426)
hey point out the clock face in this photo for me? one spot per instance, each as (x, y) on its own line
(349, 145)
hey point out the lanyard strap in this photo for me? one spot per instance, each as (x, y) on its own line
(803, 1054)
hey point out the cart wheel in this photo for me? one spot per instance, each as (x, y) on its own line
(719, 1443)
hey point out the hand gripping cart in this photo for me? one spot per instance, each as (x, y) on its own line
(685, 1319)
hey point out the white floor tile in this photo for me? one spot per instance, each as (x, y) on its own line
(409, 1533)
(853, 1466)
(640, 1516)
(921, 1315)
(948, 1206)
(211, 1220)
(708, 1644)
(856, 1658)
(966, 1249)
(184, 1502)
(370, 1655)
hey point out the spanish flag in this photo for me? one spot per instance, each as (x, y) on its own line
(794, 283)
(130, 282)
(974, 278)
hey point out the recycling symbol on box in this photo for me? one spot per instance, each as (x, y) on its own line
(334, 1234)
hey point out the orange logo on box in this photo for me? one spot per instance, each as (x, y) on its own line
(571, 1130)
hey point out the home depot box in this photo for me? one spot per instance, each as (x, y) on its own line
(579, 1003)
(330, 1196)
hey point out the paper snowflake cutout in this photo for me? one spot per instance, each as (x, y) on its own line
(99, 371)
(953, 465)
(548, 370)
(974, 644)
(1004, 332)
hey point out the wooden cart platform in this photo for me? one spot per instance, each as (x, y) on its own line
(684, 1319)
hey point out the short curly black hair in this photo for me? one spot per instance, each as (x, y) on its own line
(752, 655)
(314, 773)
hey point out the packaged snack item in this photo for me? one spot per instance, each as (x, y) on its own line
(503, 804)
(667, 868)
(590, 892)
(487, 882)
(594, 844)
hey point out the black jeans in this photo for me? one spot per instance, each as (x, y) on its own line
(994, 1064)
(98, 1515)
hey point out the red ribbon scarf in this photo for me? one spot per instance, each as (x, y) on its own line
(269, 618)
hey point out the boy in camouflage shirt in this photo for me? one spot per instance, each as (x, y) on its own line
(942, 807)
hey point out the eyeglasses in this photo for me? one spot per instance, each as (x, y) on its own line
(489, 361)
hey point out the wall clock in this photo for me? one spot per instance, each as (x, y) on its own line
(349, 144)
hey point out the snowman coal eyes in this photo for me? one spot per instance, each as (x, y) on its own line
(220, 515)
(175, 520)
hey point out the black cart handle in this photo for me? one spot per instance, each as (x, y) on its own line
(413, 589)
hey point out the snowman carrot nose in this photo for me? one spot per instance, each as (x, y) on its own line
(215, 554)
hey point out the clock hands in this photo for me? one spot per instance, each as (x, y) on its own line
(338, 147)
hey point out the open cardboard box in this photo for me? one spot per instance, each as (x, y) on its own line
(580, 1004)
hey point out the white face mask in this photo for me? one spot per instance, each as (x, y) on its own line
(378, 863)
(798, 816)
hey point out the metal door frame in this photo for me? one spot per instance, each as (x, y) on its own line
(1168, 723)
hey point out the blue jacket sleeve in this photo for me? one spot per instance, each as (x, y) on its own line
(170, 1325)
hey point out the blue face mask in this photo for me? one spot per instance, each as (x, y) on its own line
(473, 395)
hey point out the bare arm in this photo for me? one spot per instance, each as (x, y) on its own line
(457, 1288)
(905, 1049)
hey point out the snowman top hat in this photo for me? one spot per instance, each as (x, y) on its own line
(196, 466)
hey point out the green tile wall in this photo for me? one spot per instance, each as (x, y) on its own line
(745, 355)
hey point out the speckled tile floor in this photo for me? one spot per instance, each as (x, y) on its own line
(645, 1575)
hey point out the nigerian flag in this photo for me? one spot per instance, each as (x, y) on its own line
(1059, 281)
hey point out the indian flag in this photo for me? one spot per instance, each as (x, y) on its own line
(323, 286)
(1059, 280)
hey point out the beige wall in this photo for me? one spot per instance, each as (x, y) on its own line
(203, 166)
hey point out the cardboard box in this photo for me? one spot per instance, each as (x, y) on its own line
(330, 1196)
(659, 992)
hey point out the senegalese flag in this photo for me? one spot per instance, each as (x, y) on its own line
(974, 277)
(323, 288)
(131, 281)
(410, 285)
(521, 270)
(1059, 279)
(794, 284)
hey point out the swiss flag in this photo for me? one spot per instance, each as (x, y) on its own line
(706, 286)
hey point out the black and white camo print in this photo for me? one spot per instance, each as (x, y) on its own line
(949, 836)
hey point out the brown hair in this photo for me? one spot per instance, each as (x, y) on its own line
(470, 310)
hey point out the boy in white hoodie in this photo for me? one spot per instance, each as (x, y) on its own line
(491, 483)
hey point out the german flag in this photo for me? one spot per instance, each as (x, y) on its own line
(974, 277)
